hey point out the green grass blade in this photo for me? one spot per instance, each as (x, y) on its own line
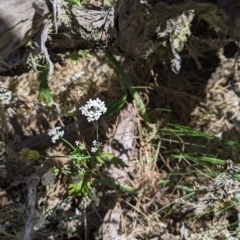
(44, 90)
(126, 81)
(115, 106)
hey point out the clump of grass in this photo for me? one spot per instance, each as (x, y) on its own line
(197, 175)
(196, 146)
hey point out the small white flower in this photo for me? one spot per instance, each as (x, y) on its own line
(55, 134)
(97, 203)
(80, 145)
(94, 149)
(93, 109)
(100, 194)
(96, 146)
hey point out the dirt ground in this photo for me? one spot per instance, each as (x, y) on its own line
(167, 205)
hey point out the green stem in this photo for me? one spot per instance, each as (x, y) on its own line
(70, 157)
(68, 143)
(97, 129)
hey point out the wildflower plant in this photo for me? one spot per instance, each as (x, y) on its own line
(82, 165)
(84, 161)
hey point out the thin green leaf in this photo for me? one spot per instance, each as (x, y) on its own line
(75, 2)
(44, 90)
(99, 159)
(116, 161)
(126, 81)
(115, 106)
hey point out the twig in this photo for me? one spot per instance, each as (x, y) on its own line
(32, 183)
(56, 13)
(8, 234)
(30, 211)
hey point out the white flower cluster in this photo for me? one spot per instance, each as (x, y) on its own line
(93, 109)
(95, 197)
(96, 146)
(55, 134)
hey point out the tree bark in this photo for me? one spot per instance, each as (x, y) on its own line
(129, 29)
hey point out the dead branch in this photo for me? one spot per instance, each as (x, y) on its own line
(129, 29)
(43, 141)
(32, 183)
(30, 211)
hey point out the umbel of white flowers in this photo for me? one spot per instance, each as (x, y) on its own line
(93, 109)
(55, 134)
